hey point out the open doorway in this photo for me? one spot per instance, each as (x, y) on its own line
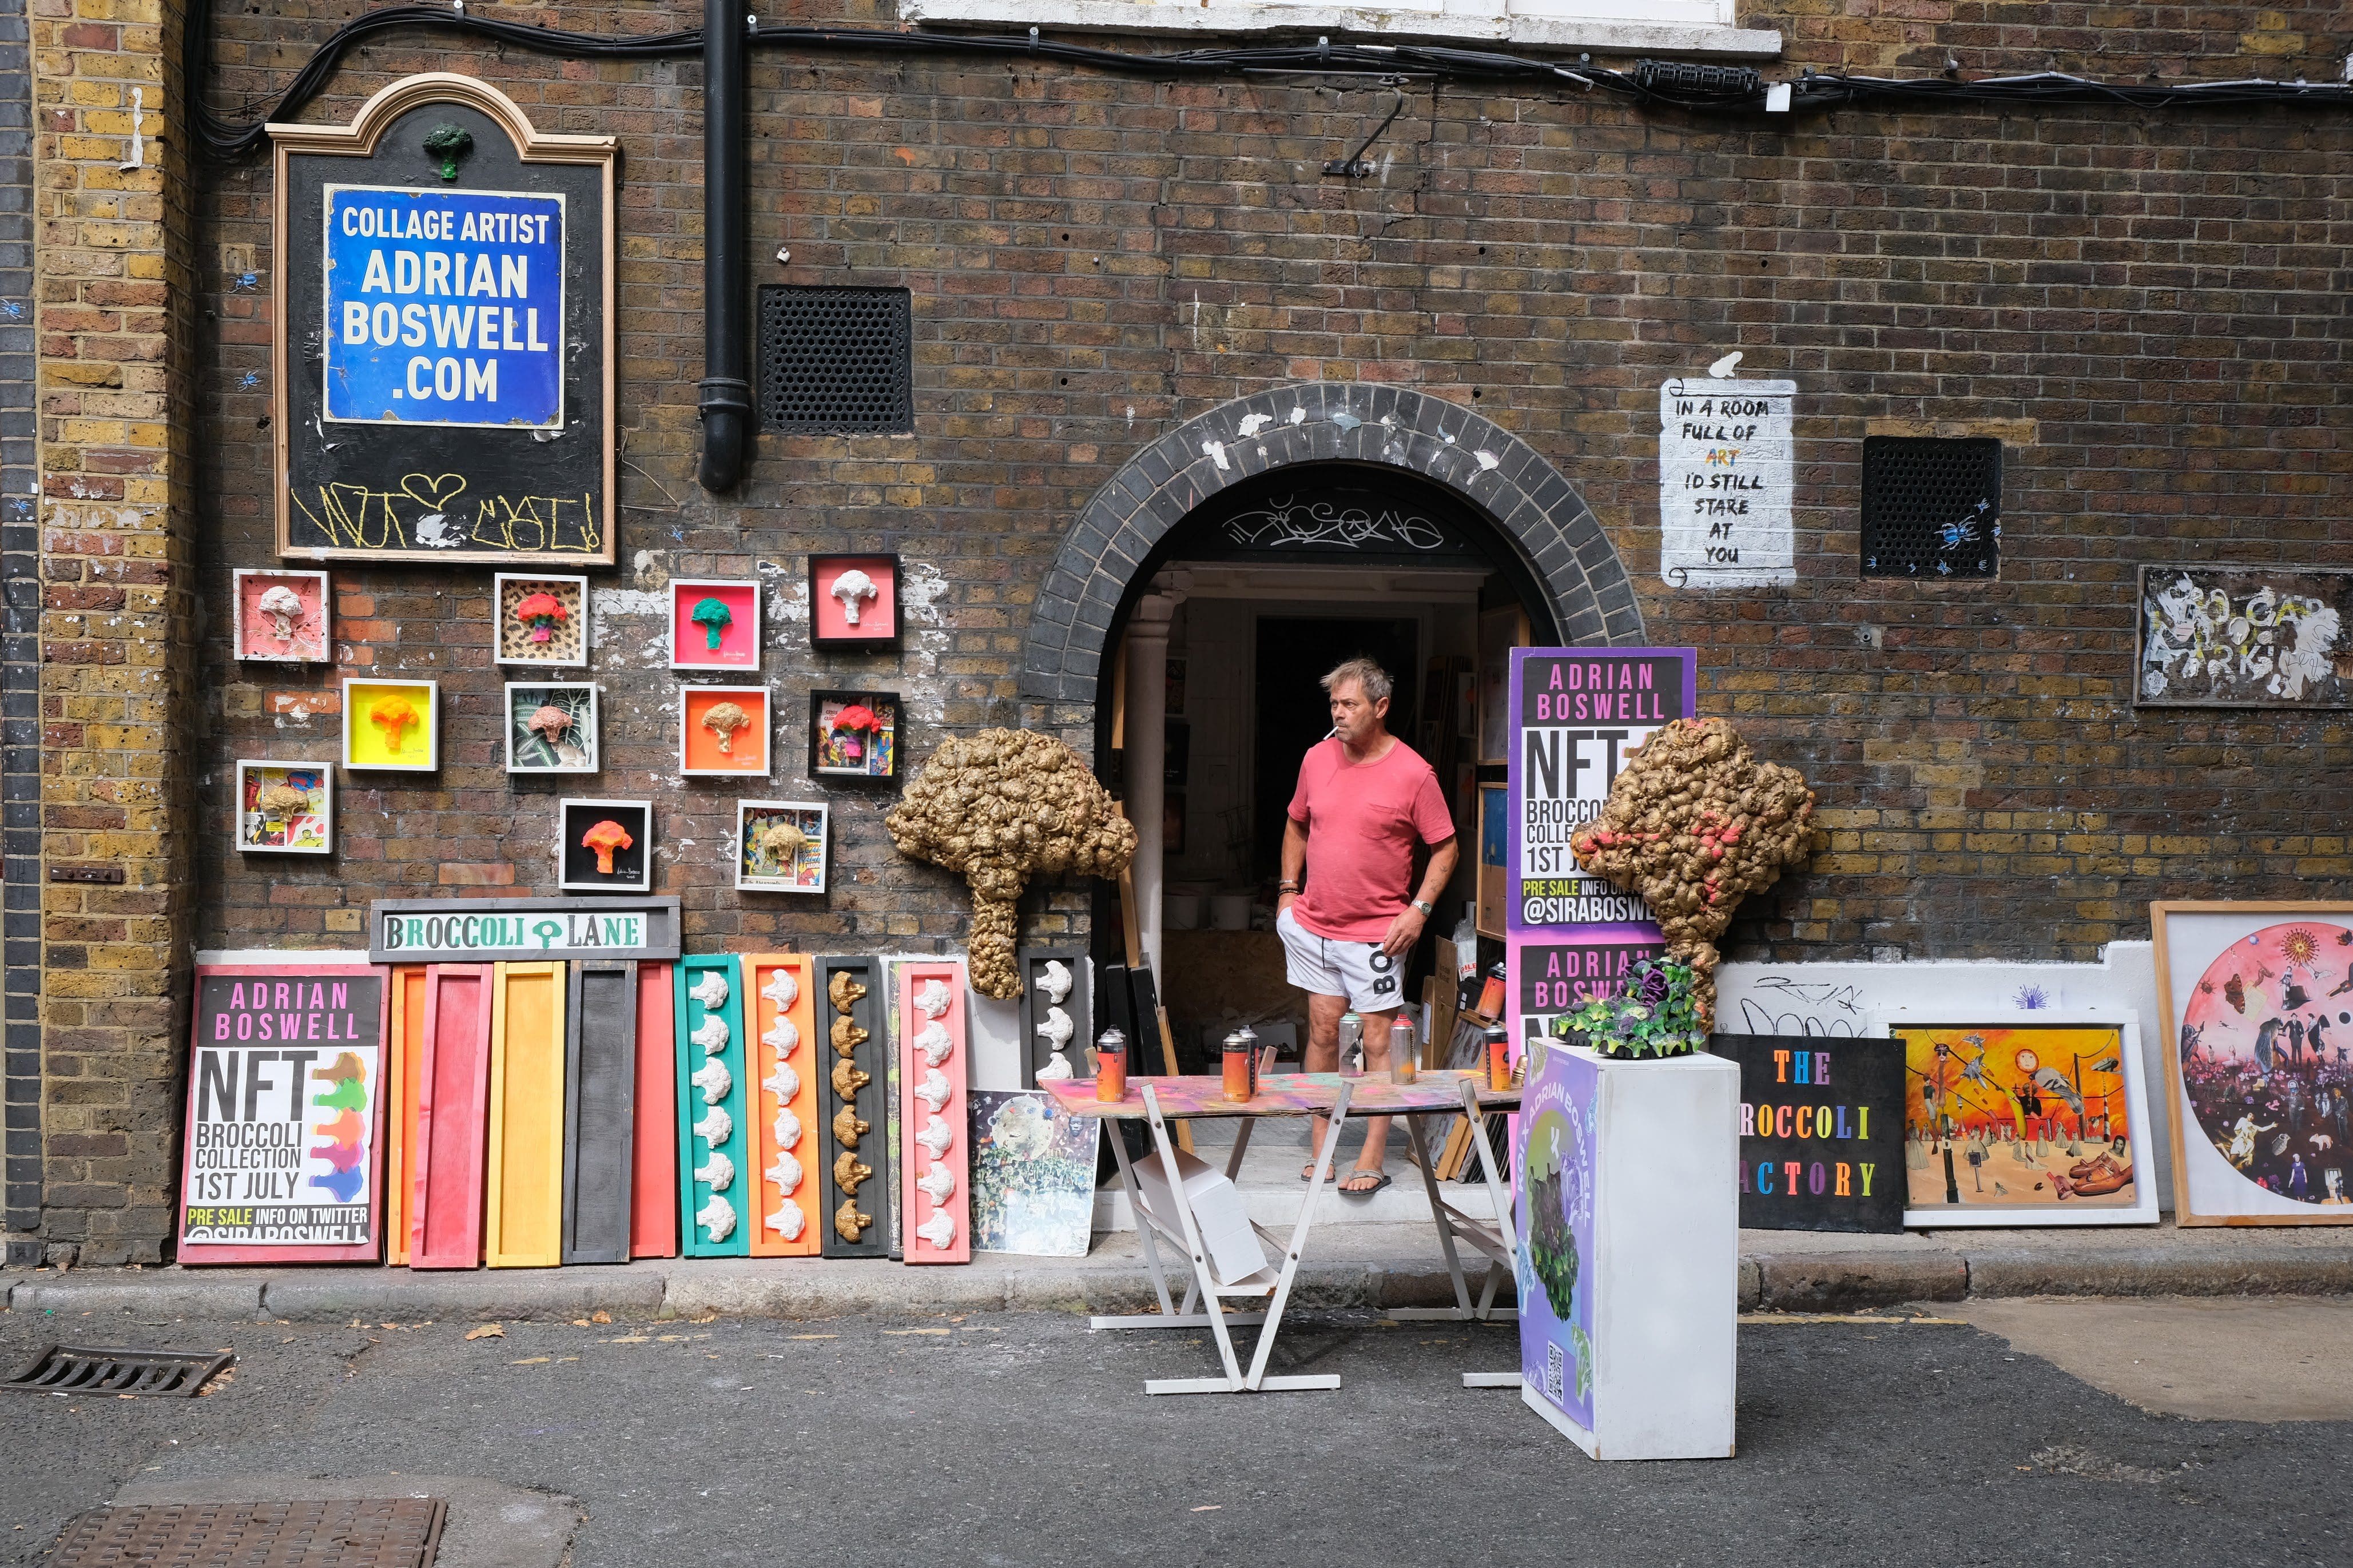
(1274, 582)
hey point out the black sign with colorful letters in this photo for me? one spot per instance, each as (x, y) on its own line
(1821, 1131)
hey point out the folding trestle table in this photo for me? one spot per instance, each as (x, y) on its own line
(1159, 1101)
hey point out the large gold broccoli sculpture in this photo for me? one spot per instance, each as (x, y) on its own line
(1695, 824)
(1001, 806)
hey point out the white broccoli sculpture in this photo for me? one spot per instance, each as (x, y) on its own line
(284, 608)
(849, 588)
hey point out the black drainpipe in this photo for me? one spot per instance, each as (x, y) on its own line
(725, 390)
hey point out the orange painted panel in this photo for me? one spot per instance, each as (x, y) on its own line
(522, 1216)
(785, 1137)
(404, 1072)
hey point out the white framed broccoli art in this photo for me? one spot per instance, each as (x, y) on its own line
(854, 603)
(542, 620)
(722, 731)
(713, 624)
(551, 728)
(285, 808)
(780, 845)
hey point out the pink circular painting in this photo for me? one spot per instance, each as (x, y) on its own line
(2265, 1042)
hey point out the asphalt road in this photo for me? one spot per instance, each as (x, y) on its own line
(1028, 1440)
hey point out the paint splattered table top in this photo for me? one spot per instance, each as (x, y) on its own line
(1282, 1094)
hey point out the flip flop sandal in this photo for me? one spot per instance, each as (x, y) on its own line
(1382, 1179)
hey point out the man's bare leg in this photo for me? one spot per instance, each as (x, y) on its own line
(1322, 1055)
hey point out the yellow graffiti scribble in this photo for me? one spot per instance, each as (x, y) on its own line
(423, 514)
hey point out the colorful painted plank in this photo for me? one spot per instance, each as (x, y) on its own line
(713, 1181)
(653, 1194)
(857, 1206)
(523, 1213)
(781, 993)
(453, 1096)
(283, 1159)
(935, 1194)
(600, 1085)
(403, 1069)
(1058, 1017)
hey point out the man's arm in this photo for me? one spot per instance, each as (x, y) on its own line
(1406, 930)
(1295, 861)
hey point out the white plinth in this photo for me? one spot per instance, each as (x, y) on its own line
(1663, 1261)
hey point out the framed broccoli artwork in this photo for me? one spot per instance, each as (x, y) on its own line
(722, 731)
(605, 845)
(393, 725)
(285, 808)
(542, 620)
(854, 602)
(780, 845)
(281, 617)
(551, 728)
(854, 735)
(713, 624)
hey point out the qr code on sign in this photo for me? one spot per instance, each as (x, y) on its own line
(1556, 1383)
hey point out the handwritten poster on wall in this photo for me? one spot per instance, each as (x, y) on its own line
(2245, 636)
(283, 1151)
(1727, 478)
(1576, 716)
(443, 339)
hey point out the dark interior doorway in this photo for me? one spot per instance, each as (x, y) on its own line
(1293, 713)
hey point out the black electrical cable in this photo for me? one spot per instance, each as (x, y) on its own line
(228, 139)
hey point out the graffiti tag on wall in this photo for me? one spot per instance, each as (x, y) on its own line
(2223, 636)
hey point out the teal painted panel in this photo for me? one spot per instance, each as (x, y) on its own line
(714, 1177)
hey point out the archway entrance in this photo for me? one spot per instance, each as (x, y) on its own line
(1203, 592)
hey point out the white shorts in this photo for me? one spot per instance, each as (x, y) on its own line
(1370, 979)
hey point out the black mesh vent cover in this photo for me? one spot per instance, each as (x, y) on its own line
(836, 361)
(1931, 508)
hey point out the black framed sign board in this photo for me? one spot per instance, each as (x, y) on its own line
(442, 350)
(490, 931)
(1821, 1131)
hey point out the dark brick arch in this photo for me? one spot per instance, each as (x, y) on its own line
(1528, 500)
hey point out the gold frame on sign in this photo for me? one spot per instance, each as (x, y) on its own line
(358, 139)
(2176, 1093)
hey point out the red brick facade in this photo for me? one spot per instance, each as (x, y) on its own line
(2147, 306)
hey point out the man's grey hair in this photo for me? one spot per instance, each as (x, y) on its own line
(1370, 678)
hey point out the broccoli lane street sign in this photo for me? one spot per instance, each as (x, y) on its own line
(488, 931)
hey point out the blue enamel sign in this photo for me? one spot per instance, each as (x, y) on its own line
(444, 307)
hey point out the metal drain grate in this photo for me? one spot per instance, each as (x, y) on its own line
(1931, 508)
(72, 1369)
(348, 1532)
(836, 361)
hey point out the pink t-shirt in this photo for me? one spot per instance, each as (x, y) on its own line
(1362, 823)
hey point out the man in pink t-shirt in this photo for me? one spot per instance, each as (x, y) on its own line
(1365, 801)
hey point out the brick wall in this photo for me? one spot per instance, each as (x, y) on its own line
(2150, 306)
(114, 231)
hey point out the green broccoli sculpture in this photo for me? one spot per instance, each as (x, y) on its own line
(714, 619)
(447, 144)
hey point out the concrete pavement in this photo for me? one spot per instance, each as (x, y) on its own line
(1347, 1266)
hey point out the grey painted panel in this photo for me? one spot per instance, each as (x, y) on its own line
(600, 1105)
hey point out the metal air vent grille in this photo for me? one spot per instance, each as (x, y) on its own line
(836, 361)
(1931, 508)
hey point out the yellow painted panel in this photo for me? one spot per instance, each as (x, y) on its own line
(523, 1207)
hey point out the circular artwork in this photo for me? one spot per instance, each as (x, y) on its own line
(2265, 1043)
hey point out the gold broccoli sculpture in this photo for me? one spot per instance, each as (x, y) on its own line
(1001, 806)
(1695, 824)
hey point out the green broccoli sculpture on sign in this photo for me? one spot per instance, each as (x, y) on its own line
(447, 144)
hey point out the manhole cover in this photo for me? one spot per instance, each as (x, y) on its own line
(351, 1532)
(71, 1369)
